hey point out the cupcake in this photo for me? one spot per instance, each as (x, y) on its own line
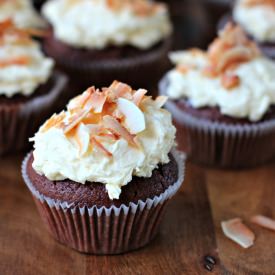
(100, 40)
(28, 87)
(21, 12)
(257, 17)
(223, 101)
(102, 172)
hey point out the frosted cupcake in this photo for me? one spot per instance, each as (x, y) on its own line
(223, 101)
(102, 171)
(99, 40)
(257, 17)
(21, 12)
(28, 87)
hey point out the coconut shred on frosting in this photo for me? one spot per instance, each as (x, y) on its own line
(97, 24)
(257, 17)
(22, 13)
(23, 67)
(232, 75)
(105, 136)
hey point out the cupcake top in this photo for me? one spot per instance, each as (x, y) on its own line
(23, 66)
(97, 24)
(232, 75)
(21, 12)
(105, 136)
(257, 17)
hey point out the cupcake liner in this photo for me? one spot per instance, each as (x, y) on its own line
(144, 70)
(104, 230)
(220, 144)
(20, 120)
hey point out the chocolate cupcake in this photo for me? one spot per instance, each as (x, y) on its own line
(257, 17)
(22, 13)
(223, 101)
(28, 87)
(102, 171)
(98, 41)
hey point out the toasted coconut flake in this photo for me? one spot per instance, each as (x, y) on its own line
(8, 28)
(251, 3)
(101, 147)
(264, 222)
(74, 120)
(233, 56)
(238, 232)
(19, 61)
(82, 138)
(54, 121)
(80, 101)
(95, 101)
(138, 96)
(160, 101)
(229, 50)
(134, 117)
(230, 81)
(183, 68)
(95, 129)
(210, 71)
(116, 128)
(119, 89)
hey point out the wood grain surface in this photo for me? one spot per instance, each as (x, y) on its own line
(191, 229)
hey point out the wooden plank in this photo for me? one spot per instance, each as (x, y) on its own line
(244, 194)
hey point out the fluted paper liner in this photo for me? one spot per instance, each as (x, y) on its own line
(220, 144)
(102, 230)
(19, 121)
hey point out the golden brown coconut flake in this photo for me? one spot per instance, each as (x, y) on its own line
(252, 3)
(264, 222)
(236, 231)
(101, 113)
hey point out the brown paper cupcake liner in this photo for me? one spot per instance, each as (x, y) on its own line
(220, 144)
(20, 120)
(102, 230)
(140, 71)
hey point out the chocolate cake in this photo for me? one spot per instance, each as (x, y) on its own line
(93, 193)
(128, 64)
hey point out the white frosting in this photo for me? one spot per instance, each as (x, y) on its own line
(23, 79)
(57, 157)
(258, 20)
(251, 99)
(22, 13)
(93, 24)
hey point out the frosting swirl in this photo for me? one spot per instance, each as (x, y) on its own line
(97, 24)
(21, 12)
(105, 136)
(232, 75)
(23, 65)
(257, 17)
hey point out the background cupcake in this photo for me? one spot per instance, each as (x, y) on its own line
(102, 172)
(28, 90)
(98, 41)
(223, 101)
(257, 17)
(21, 12)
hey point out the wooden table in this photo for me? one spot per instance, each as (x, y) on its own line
(190, 230)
